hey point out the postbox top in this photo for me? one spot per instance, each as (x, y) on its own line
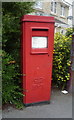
(36, 18)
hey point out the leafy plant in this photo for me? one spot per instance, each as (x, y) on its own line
(11, 33)
(69, 31)
(11, 92)
(61, 61)
(11, 30)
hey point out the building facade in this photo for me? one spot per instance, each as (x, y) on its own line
(60, 10)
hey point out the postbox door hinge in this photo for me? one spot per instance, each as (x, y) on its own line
(25, 90)
(23, 74)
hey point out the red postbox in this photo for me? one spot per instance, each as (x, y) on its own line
(37, 54)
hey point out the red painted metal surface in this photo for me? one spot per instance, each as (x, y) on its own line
(36, 62)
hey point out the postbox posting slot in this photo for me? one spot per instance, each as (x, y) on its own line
(39, 40)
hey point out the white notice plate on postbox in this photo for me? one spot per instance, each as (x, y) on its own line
(39, 42)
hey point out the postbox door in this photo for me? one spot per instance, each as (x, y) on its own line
(37, 61)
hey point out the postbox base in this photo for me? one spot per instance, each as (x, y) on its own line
(37, 103)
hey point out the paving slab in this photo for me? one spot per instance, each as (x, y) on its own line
(60, 107)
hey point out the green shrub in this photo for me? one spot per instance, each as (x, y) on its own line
(69, 31)
(11, 92)
(11, 33)
(61, 60)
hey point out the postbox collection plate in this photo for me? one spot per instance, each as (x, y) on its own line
(39, 42)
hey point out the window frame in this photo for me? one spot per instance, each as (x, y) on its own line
(62, 11)
(54, 7)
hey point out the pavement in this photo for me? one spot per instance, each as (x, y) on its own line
(60, 107)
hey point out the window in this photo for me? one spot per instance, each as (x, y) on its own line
(39, 13)
(38, 4)
(62, 10)
(62, 31)
(53, 7)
